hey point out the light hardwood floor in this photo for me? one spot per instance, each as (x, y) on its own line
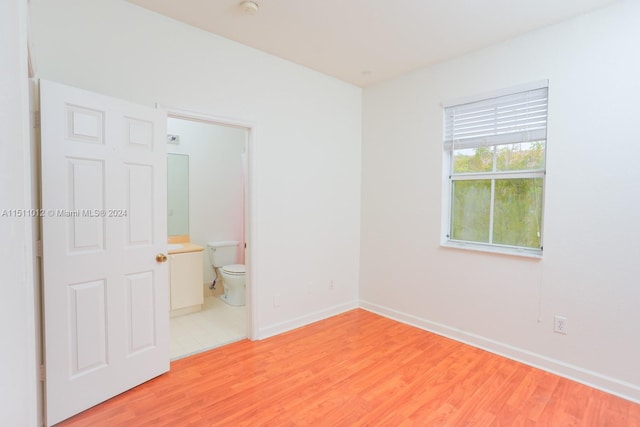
(358, 369)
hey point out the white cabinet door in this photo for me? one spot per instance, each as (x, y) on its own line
(104, 206)
(187, 288)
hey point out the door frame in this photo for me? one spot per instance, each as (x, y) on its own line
(250, 205)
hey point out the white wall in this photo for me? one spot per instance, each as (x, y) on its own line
(305, 161)
(18, 383)
(591, 266)
(215, 182)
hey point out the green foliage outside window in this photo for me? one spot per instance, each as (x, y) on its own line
(514, 218)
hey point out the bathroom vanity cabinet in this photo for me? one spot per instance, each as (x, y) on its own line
(186, 282)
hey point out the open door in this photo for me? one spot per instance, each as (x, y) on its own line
(106, 303)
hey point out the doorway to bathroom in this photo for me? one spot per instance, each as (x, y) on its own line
(207, 170)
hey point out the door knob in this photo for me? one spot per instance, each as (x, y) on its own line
(161, 258)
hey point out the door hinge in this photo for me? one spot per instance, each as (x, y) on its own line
(39, 248)
(36, 119)
(42, 373)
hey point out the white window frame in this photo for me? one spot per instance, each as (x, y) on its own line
(537, 133)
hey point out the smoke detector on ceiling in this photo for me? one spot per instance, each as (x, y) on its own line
(249, 7)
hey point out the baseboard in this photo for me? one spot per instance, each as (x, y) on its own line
(593, 379)
(297, 322)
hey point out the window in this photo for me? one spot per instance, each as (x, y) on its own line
(495, 151)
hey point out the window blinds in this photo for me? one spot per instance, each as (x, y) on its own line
(513, 118)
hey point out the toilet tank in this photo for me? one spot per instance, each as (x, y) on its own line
(223, 253)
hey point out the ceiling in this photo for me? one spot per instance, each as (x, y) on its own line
(367, 41)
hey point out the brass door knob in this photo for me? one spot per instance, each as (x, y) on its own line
(161, 258)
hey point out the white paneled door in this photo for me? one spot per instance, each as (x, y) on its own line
(106, 312)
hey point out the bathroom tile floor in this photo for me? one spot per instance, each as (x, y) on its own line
(217, 324)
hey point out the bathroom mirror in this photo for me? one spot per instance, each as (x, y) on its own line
(178, 194)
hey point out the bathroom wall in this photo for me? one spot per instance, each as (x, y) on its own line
(589, 271)
(305, 155)
(215, 182)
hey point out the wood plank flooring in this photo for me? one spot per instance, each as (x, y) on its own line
(357, 369)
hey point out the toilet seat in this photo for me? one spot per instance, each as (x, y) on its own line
(235, 269)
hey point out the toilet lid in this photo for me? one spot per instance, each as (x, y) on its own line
(234, 269)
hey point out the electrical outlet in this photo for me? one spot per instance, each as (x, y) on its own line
(332, 285)
(560, 325)
(276, 301)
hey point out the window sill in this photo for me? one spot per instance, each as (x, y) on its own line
(501, 250)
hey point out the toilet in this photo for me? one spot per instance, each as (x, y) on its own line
(223, 257)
